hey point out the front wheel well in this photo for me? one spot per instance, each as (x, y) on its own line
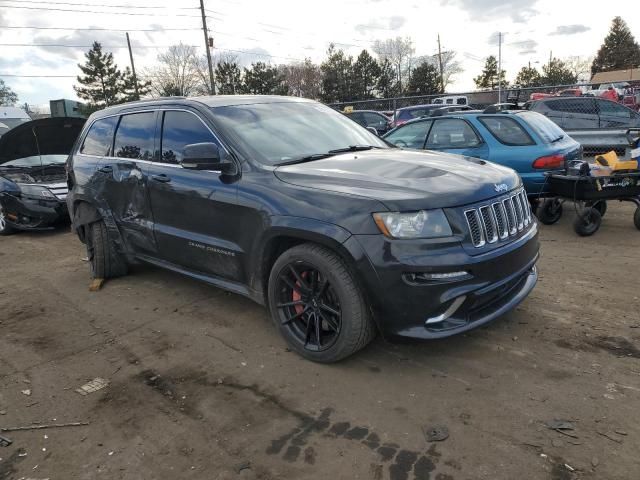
(276, 246)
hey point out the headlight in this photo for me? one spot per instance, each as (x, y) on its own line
(422, 224)
(35, 191)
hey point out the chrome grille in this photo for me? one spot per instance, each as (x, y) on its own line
(499, 220)
(58, 189)
(473, 221)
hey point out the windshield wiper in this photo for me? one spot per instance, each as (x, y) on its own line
(557, 139)
(306, 158)
(353, 148)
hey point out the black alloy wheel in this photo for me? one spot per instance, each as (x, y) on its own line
(308, 306)
(318, 304)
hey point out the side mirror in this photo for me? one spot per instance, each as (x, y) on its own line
(205, 156)
(373, 130)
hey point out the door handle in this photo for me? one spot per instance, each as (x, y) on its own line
(106, 169)
(162, 178)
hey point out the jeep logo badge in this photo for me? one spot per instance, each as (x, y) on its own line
(501, 187)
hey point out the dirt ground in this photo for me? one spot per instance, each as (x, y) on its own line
(202, 387)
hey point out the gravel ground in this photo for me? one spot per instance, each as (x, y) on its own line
(202, 387)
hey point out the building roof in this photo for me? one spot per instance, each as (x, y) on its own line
(617, 76)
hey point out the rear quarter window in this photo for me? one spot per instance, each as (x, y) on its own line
(507, 130)
(99, 139)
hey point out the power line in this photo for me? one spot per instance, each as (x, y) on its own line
(59, 45)
(104, 29)
(98, 5)
(103, 13)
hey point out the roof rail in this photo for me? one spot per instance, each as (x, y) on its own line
(500, 107)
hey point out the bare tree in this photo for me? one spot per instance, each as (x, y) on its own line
(304, 79)
(450, 67)
(178, 73)
(398, 51)
(579, 66)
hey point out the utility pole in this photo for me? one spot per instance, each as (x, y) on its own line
(206, 44)
(499, 67)
(133, 68)
(440, 62)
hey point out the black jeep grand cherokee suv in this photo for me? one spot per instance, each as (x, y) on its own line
(297, 207)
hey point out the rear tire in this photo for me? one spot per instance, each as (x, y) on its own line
(317, 304)
(550, 211)
(587, 222)
(5, 228)
(104, 261)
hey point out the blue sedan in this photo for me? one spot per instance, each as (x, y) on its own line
(526, 141)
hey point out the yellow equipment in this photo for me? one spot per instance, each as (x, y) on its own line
(610, 159)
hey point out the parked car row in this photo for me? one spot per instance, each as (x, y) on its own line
(575, 113)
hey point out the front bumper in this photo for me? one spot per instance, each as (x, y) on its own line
(26, 213)
(497, 282)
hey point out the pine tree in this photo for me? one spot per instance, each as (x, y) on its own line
(424, 80)
(128, 87)
(262, 79)
(529, 77)
(556, 72)
(7, 96)
(489, 76)
(229, 78)
(337, 76)
(620, 51)
(101, 82)
(366, 73)
(387, 82)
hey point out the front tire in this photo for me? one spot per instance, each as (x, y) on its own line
(104, 261)
(550, 211)
(5, 228)
(317, 304)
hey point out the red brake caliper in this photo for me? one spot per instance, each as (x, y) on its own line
(296, 297)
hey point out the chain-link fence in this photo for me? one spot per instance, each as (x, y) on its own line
(571, 107)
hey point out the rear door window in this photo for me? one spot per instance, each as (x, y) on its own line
(180, 129)
(135, 136)
(507, 130)
(613, 109)
(99, 139)
(452, 133)
(374, 120)
(412, 135)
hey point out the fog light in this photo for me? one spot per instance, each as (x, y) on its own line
(424, 277)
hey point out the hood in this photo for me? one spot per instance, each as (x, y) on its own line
(405, 180)
(45, 136)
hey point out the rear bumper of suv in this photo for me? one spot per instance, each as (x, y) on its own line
(425, 293)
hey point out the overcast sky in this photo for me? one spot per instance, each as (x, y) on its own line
(289, 30)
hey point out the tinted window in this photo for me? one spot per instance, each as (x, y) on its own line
(135, 136)
(412, 135)
(356, 117)
(374, 120)
(507, 130)
(461, 101)
(452, 133)
(545, 128)
(100, 137)
(180, 129)
(613, 109)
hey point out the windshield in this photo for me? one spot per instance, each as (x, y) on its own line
(35, 161)
(273, 133)
(545, 128)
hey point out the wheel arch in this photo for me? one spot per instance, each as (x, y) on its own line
(286, 233)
